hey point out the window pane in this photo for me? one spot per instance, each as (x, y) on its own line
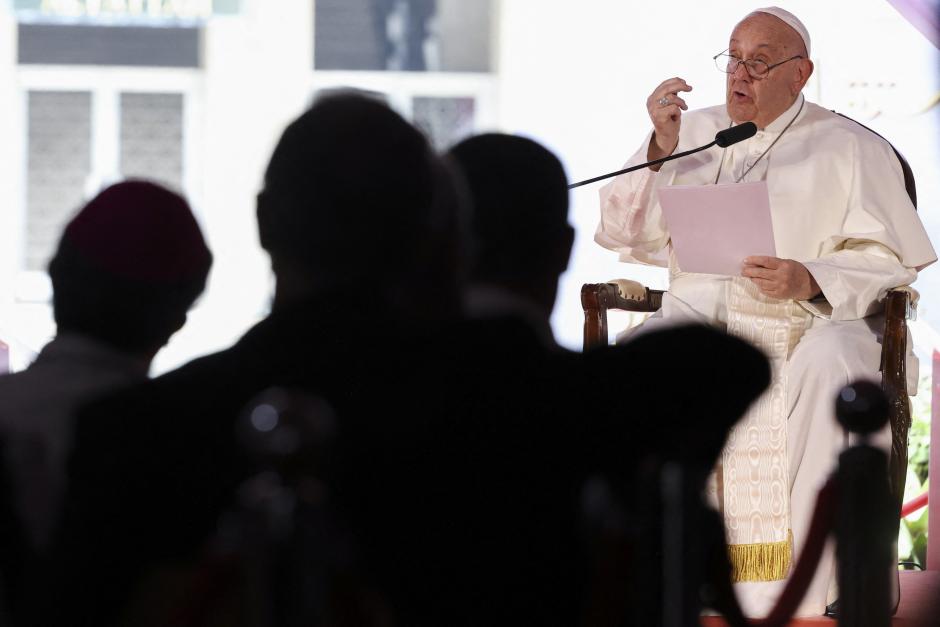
(152, 137)
(59, 163)
(444, 120)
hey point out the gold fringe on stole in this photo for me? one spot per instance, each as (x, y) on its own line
(765, 561)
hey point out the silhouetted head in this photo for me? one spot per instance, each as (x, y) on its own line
(521, 236)
(128, 267)
(353, 195)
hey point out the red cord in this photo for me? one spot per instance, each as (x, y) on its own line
(820, 526)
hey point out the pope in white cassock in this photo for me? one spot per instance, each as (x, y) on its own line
(845, 232)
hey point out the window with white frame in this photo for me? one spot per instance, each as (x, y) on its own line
(71, 154)
(430, 59)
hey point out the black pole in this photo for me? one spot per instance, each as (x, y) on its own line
(865, 514)
(642, 165)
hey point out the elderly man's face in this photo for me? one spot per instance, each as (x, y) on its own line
(763, 37)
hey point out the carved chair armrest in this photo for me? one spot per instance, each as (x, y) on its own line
(620, 294)
(900, 306)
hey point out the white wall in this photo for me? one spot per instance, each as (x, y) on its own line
(10, 148)
(12, 167)
(256, 80)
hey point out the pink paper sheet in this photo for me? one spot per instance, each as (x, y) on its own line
(714, 227)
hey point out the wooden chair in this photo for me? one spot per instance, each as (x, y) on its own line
(900, 305)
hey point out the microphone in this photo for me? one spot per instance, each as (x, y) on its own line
(723, 139)
(735, 134)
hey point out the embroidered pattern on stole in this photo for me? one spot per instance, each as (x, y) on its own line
(754, 477)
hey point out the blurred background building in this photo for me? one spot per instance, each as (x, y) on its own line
(194, 93)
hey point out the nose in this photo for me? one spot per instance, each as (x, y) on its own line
(741, 73)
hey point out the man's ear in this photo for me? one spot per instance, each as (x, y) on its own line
(804, 71)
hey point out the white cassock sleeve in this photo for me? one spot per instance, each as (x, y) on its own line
(855, 279)
(630, 223)
(882, 244)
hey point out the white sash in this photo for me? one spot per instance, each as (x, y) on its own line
(753, 478)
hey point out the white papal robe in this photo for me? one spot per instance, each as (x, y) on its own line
(838, 206)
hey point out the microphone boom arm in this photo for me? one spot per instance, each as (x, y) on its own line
(642, 165)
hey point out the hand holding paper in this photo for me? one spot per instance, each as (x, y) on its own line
(780, 278)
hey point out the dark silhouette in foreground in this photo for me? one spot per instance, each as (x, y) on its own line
(521, 238)
(366, 455)
(128, 267)
(361, 224)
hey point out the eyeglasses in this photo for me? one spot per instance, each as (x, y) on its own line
(756, 69)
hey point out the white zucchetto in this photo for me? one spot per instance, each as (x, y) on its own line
(791, 20)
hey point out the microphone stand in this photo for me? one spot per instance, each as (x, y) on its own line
(643, 165)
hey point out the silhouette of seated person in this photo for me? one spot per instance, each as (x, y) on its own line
(515, 474)
(360, 221)
(461, 494)
(128, 266)
(582, 443)
(521, 238)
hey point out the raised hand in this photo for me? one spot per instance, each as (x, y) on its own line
(665, 109)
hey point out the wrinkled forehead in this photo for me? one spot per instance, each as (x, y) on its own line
(766, 31)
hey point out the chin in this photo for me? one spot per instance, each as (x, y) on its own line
(741, 114)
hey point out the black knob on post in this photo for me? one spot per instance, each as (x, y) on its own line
(865, 522)
(862, 407)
